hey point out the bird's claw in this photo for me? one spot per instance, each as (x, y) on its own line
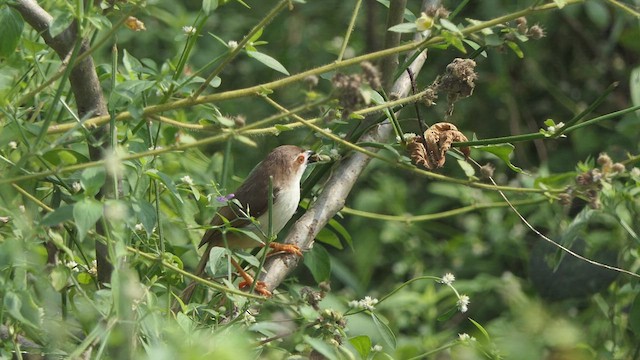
(286, 248)
(260, 288)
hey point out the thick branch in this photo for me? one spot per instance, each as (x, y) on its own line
(335, 191)
(86, 89)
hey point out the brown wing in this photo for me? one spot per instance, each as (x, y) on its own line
(254, 190)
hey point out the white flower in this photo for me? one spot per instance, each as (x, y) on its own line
(376, 348)
(463, 303)
(138, 227)
(76, 187)
(368, 303)
(187, 180)
(72, 265)
(13, 145)
(93, 270)
(232, 44)
(189, 30)
(465, 337)
(448, 279)
(424, 22)
(22, 209)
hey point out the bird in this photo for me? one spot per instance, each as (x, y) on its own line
(285, 166)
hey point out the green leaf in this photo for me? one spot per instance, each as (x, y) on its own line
(250, 259)
(387, 335)
(13, 305)
(328, 237)
(634, 87)
(322, 347)
(146, 214)
(92, 180)
(516, 49)
(57, 216)
(59, 277)
(362, 344)
(454, 39)
(481, 328)
(318, 262)
(450, 26)
(85, 278)
(268, 61)
(208, 5)
(166, 181)
(217, 260)
(344, 234)
(404, 28)
(59, 157)
(86, 213)
(11, 25)
(502, 151)
(467, 168)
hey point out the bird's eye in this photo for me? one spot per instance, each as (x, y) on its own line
(301, 159)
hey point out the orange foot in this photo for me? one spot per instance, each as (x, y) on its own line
(286, 248)
(260, 288)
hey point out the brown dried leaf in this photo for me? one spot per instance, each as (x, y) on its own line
(438, 139)
(133, 23)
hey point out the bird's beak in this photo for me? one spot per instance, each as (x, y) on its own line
(313, 157)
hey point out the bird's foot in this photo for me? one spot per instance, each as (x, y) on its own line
(285, 248)
(260, 288)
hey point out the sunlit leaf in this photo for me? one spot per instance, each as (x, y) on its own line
(362, 344)
(404, 28)
(268, 61)
(503, 152)
(387, 335)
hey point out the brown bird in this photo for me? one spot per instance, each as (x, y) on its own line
(285, 166)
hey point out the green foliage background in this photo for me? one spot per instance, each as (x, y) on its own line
(529, 300)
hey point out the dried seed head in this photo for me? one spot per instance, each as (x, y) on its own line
(311, 81)
(536, 32)
(430, 96)
(486, 171)
(371, 74)
(618, 167)
(584, 179)
(459, 79)
(348, 91)
(604, 160)
(564, 199)
(437, 12)
(239, 120)
(521, 25)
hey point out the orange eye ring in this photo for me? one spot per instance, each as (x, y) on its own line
(301, 159)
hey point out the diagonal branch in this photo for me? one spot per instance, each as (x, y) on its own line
(336, 189)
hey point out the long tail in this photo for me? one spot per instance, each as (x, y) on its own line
(186, 294)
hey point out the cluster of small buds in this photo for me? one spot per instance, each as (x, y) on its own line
(464, 337)
(93, 270)
(463, 303)
(187, 180)
(72, 265)
(552, 129)
(448, 279)
(376, 348)
(13, 145)
(312, 297)
(368, 303)
(76, 187)
(138, 227)
(232, 44)
(535, 32)
(189, 30)
(486, 171)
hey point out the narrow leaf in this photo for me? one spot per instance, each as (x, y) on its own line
(404, 28)
(268, 61)
(387, 335)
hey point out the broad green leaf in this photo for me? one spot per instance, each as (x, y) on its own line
(467, 168)
(404, 28)
(92, 180)
(268, 61)
(250, 259)
(59, 276)
(208, 5)
(131, 64)
(387, 335)
(503, 152)
(217, 260)
(322, 347)
(85, 278)
(454, 39)
(166, 181)
(86, 213)
(328, 237)
(57, 216)
(64, 157)
(14, 306)
(362, 344)
(338, 228)
(11, 25)
(318, 262)
(146, 214)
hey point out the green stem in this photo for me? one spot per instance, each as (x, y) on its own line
(234, 52)
(440, 215)
(347, 35)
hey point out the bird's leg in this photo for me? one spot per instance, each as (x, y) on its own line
(260, 287)
(285, 248)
